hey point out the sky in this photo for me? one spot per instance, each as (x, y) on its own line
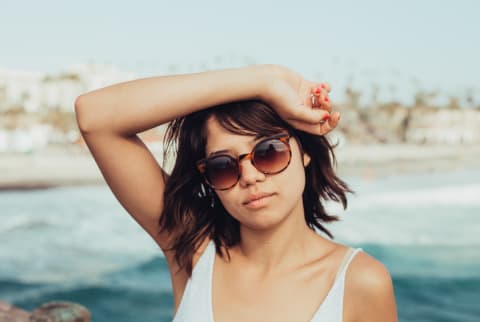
(399, 46)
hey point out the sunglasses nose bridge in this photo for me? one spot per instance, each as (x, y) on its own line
(251, 174)
(245, 156)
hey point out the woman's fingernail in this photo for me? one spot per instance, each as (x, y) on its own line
(323, 85)
(326, 99)
(317, 91)
(326, 117)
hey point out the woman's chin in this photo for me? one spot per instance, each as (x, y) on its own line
(261, 221)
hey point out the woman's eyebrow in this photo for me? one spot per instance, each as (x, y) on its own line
(218, 152)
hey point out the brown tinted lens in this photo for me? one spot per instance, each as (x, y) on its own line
(271, 156)
(222, 171)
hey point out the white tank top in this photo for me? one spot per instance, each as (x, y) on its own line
(196, 302)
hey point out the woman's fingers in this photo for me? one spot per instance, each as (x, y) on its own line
(320, 97)
(322, 86)
(325, 103)
(326, 86)
(318, 128)
(333, 120)
(314, 115)
(310, 115)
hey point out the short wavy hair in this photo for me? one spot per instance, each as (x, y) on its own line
(192, 209)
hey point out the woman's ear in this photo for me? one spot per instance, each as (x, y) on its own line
(306, 159)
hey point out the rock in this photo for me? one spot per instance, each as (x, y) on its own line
(60, 312)
(9, 313)
(48, 312)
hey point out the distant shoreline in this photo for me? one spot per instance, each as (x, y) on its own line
(396, 159)
(74, 166)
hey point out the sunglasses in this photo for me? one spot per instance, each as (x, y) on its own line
(271, 155)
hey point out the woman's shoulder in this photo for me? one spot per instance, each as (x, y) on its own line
(366, 270)
(368, 285)
(363, 268)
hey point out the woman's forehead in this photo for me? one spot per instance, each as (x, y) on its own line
(219, 138)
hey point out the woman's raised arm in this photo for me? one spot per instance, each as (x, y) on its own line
(110, 118)
(131, 107)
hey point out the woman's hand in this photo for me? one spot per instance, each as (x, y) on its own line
(303, 104)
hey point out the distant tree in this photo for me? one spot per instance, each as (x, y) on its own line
(353, 97)
(59, 119)
(375, 93)
(424, 98)
(454, 103)
(470, 98)
(405, 125)
(420, 99)
(3, 98)
(69, 76)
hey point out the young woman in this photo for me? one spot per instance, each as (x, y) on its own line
(236, 216)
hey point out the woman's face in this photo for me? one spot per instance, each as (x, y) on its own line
(287, 186)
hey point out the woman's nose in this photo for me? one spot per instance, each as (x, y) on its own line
(249, 174)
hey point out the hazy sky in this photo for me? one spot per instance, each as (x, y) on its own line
(399, 45)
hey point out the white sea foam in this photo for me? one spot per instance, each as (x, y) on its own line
(428, 216)
(464, 195)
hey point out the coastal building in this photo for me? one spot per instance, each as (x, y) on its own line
(25, 140)
(37, 109)
(20, 90)
(444, 126)
(35, 91)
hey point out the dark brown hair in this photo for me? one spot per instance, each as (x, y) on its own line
(192, 209)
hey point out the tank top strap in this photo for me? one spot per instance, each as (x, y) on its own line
(331, 309)
(205, 261)
(346, 261)
(195, 304)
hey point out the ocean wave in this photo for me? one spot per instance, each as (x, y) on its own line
(464, 195)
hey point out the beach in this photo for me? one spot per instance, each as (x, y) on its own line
(74, 165)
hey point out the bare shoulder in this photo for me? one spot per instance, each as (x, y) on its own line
(369, 293)
(366, 272)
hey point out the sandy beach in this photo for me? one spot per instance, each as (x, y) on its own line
(73, 165)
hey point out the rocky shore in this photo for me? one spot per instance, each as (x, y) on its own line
(48, 312)
(73, 165)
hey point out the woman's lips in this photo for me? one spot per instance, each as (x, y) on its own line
(259, 203)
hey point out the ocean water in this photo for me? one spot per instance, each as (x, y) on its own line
(78, 244)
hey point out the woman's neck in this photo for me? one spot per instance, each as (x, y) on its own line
(275, 250)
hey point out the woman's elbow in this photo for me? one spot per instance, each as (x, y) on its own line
(83, 115)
